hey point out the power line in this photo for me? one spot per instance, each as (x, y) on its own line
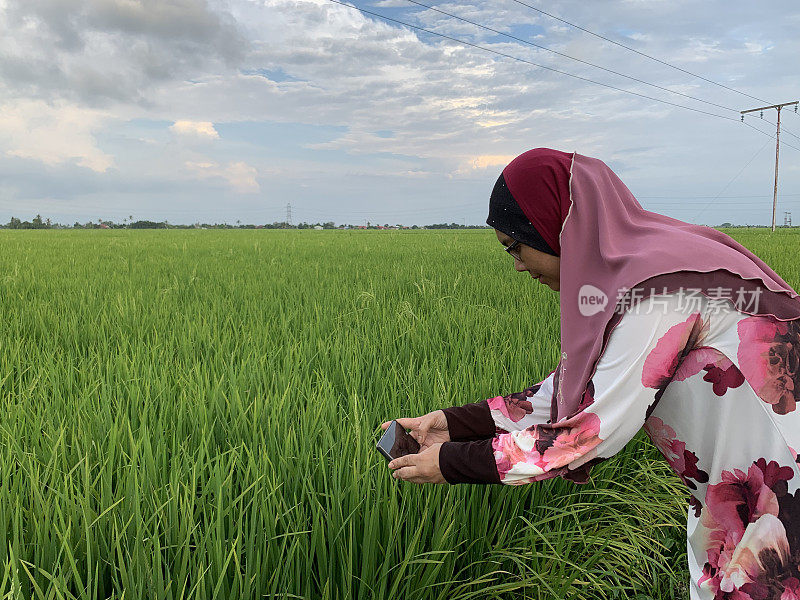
(783, 126)
(737, 207)
(592, 64)
(783, 143)
(638, 52)
(735, 177)
(784, 130)
(586, 62)
(522, 60)
(758, 121)
(523, 41)
(728, 204)
(778, 108)
(676, 198)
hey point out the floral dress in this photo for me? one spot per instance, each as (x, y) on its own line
(716, 390)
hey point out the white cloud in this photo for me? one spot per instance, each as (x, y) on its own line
(342, 79)
(105, 51)
(484, 161)
(754, 47)
(201, 129)
(53, 135)
(240, 176)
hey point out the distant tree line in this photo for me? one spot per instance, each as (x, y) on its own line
(38, 223)
(455, 226)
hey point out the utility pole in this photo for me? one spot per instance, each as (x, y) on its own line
(778, 107)
(288, 215)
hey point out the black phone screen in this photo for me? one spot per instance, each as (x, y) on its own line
(396, 442)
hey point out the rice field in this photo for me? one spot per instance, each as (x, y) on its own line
(192, 414)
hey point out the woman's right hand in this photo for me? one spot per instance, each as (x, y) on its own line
(428, 429)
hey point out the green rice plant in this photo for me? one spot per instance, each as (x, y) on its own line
(192, 415)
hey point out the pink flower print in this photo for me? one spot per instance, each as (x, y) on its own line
(791, 589)
(720, 371)
(690, 470)
(762, 541)
(514, 406)
(746, 517)
(696, 360)
(696, 505)
(549, 447)
(577, 439)
(739, 499)
(664, 360)
(663, 436)
(508, 451)
(682, 461)
(723, 379)
(769, 357)
(775, 476)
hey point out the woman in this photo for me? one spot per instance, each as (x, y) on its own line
(665, 325)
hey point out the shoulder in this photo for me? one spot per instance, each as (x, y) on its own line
(642, 317)
(655, 334)
(685, 300)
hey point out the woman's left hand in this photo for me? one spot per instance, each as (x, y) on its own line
(422, 467)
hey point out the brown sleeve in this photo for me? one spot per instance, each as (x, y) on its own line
(470, 422)
(468, 462)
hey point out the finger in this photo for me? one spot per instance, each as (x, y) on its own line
(409, 422)
(424, 426)
(406, 473)
(402, 421)
(403, 461)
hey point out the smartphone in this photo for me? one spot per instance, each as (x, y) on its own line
(396, 442)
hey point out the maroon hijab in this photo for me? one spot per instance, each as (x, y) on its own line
(609, 245)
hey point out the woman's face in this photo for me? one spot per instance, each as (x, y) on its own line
(542, 266)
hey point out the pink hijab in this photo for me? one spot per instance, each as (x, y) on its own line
(608, 245)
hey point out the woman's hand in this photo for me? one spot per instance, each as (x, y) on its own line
(428, 429)
(422, 467)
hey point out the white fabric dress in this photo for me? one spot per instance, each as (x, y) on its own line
(716, 391)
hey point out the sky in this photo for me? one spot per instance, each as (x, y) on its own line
(224, 110)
